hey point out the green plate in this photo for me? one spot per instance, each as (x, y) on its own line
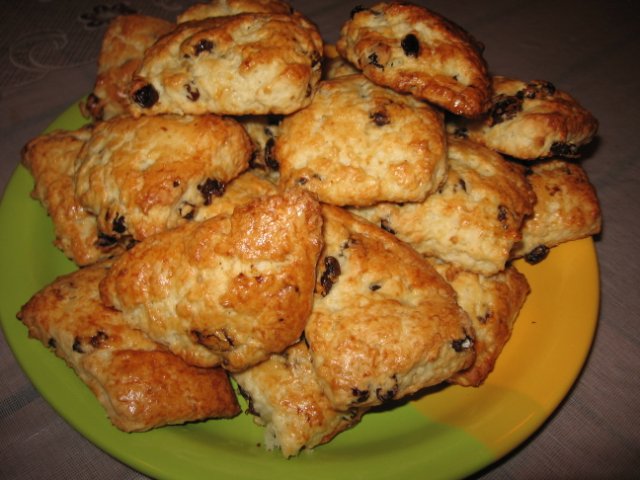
(447, 433)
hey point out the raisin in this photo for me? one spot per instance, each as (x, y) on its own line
(211, 187)
(385, 396)
(302, 180)
(193, 93)
(52, 342)
(561, 149)
(118, 225)
(361, 395)
(537, 254)
(375, 286)
(203, 45)
(77, 345)
(269, 157)
(330, 274)
(461, 132)
(94, 107)
(146, 96)
(504, 108)
(105, 240)
(503, 215)
(463, 184)
(373, 60)
(537, 87)
(98, 338)
(410, 45)
(462, 344)
(380, 118)
(385, 225)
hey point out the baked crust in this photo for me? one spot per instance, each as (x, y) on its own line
(566, 209)
(223, 8)
(359, 143)
(142, 176)
(384, 323)
(530, 120)
(126, 39)
(285, 395)
(333, 65)
(227, 291)
(414, 50)
(140, 384)
(247, 64)
(474, 220)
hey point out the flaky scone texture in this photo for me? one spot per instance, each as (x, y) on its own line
(140, 384)
(530, 120)
(359, 143)
(50, 158)
(384, 323)
(227, 291)
(247, 64)
(474, 220)
(493, 304)
(121, 52)
(285, 395)
(223, 8)
(567, 208)
(414, 50)
(142, 176)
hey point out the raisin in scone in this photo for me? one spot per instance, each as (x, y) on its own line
(414, 50)
(140, 384)
(247, 64)
(50, 158)
(286, 398)
(142, 176)
(566, 209)
(121, 52)
(384, 323)
(227, 291)
(474, 220)
(530, 120)
(263, 130)
(493, 304)
(224, 8)
(359, 143)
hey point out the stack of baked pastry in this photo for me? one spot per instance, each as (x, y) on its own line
(332, 227)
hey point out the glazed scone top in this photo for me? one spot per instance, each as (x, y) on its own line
(223, 8)
(414, 50)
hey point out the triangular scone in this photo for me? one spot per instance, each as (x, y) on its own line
(227, 291)
(142, 176)
(530, 120)
(286, 397)
(493, 304)
(247, 64)
(384, 323)
(566, 209)
(224, 8)
(123, 46)
(414, 50)
(140, 384)
(473, 220)
(51, 158)
(359, 143)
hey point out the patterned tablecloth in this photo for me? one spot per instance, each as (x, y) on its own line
(589, 48)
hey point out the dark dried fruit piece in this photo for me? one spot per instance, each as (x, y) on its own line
(504, 108)
(567, 150)
(77, 345)
(503, 216)
(203, 45)
(462, 344)
(536, 87)
(410, 45)
(269, 157)
(386, 395)
(211, 187)
(380, 118)
(105, 240)
(361, 395)
(118, 224)
(537, 254)
(52, 342)
(330, 274)
(193, 93)
(385, 225)
(97, 340)
(146, 96)
(373, 60)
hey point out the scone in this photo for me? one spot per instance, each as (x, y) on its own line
(247, 64)
(121, 52)
(223, 8)
(286, 398)
(140, 384)
(530, 120)
(567, 209)
(474, 220)
(414, 50)
(227, 291)
(142, 176)
(493, 304)
(333, 65)
(384, 323)
(359, 143)
(50, 158)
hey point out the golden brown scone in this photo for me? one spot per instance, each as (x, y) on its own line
(51, 158)
(529, 120)
(286, 398)
(359, 143)
(263, 131)
(567, 208)
(475, 218)
(414, 50)
(333, 65)
(121, 52)
(384, 324)
(142, 176)
(493, 304)
(223, 8)
(140, 384)
(230, 290)
(247, 64)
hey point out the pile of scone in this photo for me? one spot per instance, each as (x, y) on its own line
(330, 226)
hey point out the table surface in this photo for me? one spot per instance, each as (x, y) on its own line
(588, 48)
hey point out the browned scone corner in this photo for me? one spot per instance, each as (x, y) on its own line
(140, 384)
(414, 50)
